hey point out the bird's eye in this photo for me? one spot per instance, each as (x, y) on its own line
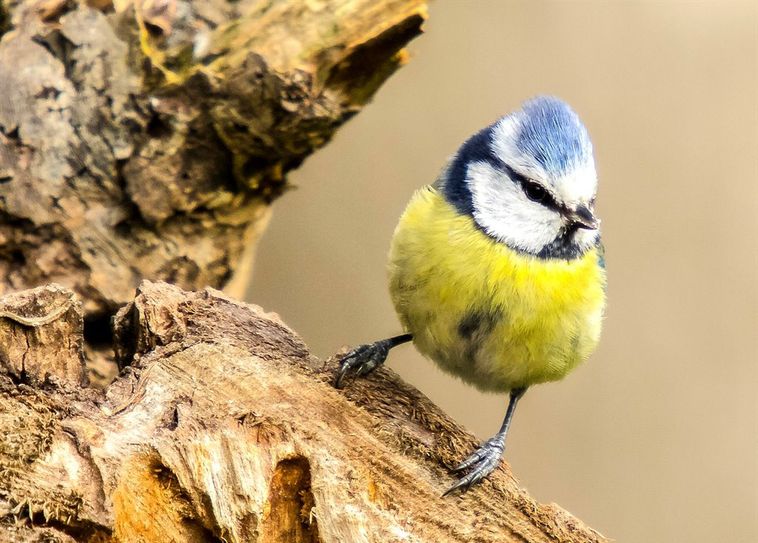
(535, 192)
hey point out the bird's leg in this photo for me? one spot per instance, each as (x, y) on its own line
(487, 457)
(366, 358)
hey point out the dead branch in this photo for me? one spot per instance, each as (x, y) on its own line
(146, 139)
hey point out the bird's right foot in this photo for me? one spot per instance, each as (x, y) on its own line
(363, 360)
(481, 463)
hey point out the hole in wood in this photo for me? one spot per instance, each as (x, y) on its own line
(291, 516)
(150, 505)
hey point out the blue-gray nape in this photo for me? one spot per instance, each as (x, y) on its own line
(552, 133)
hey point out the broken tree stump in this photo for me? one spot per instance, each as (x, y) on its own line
(222, 427)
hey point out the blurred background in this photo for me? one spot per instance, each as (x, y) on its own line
(654, 438)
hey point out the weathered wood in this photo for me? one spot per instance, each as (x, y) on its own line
(222, 427)
(41, 335)
(146, 139)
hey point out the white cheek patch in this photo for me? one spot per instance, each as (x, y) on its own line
(502, 209)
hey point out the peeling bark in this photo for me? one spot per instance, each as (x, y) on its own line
(222, 427)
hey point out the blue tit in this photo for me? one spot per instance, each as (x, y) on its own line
(496, 270)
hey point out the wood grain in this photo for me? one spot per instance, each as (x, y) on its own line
(222, 427)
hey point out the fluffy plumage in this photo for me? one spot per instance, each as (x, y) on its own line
(498, 286)
(497, 318)
(552, 134)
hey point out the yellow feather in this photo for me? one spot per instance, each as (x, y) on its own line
(497, 318)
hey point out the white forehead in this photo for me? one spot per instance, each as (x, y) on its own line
(557, 156)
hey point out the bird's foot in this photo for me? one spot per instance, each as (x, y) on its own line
(482, 462)
(363, 360)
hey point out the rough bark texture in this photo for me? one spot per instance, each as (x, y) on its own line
(222, 427)
(147, 138)
(39, 326)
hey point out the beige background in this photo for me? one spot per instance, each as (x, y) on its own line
(654, 439)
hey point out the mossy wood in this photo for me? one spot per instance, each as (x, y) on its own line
(222, 427)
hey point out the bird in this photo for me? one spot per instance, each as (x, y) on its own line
(497, 269)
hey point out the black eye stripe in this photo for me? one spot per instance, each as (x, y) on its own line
(533, 191)
(528, 186)
(477, 149)
(498, 164)
(544, 197)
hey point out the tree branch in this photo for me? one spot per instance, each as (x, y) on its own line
(222, 427)
(146, 139)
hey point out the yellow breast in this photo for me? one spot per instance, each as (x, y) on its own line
(495, 317)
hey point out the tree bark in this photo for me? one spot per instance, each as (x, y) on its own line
(147, 138)
(222, 427)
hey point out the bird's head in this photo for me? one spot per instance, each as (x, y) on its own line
(528, 180)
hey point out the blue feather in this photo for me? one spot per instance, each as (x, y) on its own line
(552, 133)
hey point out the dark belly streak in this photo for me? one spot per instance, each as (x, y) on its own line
(474, 328)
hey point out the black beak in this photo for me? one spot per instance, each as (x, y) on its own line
(583, 218)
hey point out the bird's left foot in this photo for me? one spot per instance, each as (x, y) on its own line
(363, 360)
(482, 462)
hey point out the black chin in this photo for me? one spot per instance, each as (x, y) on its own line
(563, 247)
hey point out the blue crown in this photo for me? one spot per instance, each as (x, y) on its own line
(552, 133)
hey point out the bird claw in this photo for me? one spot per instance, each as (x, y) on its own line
(482, 462)
(362, 360)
